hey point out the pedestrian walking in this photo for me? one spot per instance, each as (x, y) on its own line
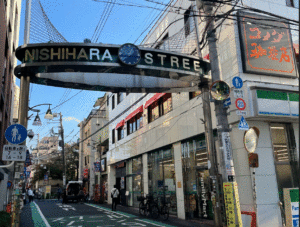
(24, 196)
(114, 196)
(81, 195)
(30, 195)
(59, 192)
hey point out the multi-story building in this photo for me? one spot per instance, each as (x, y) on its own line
(94, 133)
(158, 145)
(9, 38)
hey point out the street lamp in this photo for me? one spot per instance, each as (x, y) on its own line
(49, 115)
(37, 120)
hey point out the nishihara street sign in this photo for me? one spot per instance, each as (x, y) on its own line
(115, 68)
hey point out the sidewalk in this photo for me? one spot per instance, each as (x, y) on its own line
(173, 220)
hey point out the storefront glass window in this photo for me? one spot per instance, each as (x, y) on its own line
(196, 179)
(284, 150)
(137, 179)
(161, 176)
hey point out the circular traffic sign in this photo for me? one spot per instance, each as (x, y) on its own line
(16, 134)
(219, 90)
(240, 104)
(237, 82)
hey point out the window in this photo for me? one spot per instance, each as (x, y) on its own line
(112, 102)
(113, 136)
(293, 3)
(285, 158)
(194, 94)
(160, 107)
(107, 101)
(134, 123)
(121, 133)
(188, 22)
(120, 97)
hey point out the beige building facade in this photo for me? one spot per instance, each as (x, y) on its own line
(156, 141)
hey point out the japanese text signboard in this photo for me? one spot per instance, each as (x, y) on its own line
(229, 204)
(14, 153)
(266, 46)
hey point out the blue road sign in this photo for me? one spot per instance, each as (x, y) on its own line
(16, 134)
(243, 125)
(237, 82)
(227, 102)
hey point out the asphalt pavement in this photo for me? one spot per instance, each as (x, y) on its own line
(52, 213)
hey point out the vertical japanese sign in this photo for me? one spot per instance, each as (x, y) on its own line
(229, 204)
(227, 155)
(266, 45)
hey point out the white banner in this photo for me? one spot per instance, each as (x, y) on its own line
(227, 153)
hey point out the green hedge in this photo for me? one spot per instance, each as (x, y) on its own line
(4, 219)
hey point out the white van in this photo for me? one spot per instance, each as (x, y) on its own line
(72, 190)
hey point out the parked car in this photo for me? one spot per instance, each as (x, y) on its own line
(72, 190)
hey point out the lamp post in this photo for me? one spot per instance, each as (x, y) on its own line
(50, 117)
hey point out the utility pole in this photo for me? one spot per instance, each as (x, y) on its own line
(63, 149)
(23, 114)
(209, 139)
(221, 113)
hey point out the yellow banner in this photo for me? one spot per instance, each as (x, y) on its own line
(48, 189)
(237, 200)
(229, 204)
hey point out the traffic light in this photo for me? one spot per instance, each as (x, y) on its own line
(253, 160)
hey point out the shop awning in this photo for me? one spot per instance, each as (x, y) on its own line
(138, 110)
(153, 99)
(120, 124)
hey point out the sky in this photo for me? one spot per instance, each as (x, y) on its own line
(77, 20)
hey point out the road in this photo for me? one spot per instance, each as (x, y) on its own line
(52, 213)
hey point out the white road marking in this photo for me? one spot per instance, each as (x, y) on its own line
(149, 222)
(71, 222)
(106, 211)
(43, 217)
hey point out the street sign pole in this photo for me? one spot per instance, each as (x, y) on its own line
(221, 116)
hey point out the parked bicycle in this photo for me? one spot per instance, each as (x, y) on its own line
(164, 209)
(149, 207)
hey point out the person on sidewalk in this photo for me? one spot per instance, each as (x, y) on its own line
(59, 191)
(30, 195)
(114, 196)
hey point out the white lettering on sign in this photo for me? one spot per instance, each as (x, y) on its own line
(161, 56)
(186, 63)
(203, 195)
(94, 52)
(174, 60)
(149, 58)
(106, 55)
(14, 153)
(241, 113)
